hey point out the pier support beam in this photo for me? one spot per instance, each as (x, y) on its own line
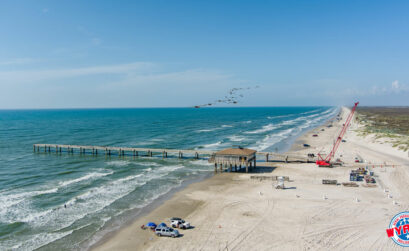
(231, 167)
(254, 163)
(196, 155)
(267, 157)
(247, 167)
(215, 167)
(235, 167)
(221, 168)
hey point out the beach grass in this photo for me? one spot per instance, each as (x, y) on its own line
(389, 123)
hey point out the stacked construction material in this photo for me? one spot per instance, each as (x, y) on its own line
(357, 174)
(369, 179)
(350, 184)
(329, 182)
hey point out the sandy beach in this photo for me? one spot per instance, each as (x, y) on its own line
(230, 211)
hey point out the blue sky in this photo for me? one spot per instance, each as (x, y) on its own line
(71, 54)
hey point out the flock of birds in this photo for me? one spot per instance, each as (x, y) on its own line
(232, 98)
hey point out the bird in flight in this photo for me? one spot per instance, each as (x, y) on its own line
(233, 96)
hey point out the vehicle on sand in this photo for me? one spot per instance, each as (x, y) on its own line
(179, 223)
(166, 231)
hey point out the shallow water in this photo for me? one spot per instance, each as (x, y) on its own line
(62, 200)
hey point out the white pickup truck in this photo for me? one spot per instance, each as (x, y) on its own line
(179, 223)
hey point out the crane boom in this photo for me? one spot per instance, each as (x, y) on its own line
(326, 161)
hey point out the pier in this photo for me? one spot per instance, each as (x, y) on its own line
(120, 151)
(161, 152)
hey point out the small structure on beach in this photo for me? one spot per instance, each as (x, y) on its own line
(234, 157)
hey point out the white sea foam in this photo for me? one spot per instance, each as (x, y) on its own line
(279, 116)
(272, 139)
(201, 162)
(131, 177)
(224, 126)
(148, 164)
(118, 163)
(212, 145)
(86, 177)
(265, 128)
(35, 241)
(236, 138)
(208, 130)
(89, 202)
(10, 199)
(304, 122)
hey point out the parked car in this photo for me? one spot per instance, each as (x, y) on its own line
(179, 223)
(166, 231)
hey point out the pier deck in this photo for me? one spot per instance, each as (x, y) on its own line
(132, 151)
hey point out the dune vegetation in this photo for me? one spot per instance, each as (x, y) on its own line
(388, 123)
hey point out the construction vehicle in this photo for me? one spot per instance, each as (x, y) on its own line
(326, 162)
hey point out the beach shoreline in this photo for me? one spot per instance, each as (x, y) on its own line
(153, 211)
(233, 211)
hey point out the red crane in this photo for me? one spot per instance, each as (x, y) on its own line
(326, 162)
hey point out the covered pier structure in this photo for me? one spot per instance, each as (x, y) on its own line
(236, 158)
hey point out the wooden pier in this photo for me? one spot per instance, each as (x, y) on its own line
(159, 152)
(120, 151)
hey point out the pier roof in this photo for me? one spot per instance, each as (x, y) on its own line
(236, 151)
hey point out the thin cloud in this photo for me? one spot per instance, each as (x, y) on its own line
(394, 88)
(34, 76)
(122, 85)
(19, 61)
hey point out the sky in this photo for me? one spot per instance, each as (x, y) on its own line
(95, 54)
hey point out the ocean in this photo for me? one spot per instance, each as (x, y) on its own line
(52, 201)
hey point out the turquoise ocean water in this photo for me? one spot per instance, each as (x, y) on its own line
(101, 193)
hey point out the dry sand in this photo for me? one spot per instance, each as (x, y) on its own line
(230, 211)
